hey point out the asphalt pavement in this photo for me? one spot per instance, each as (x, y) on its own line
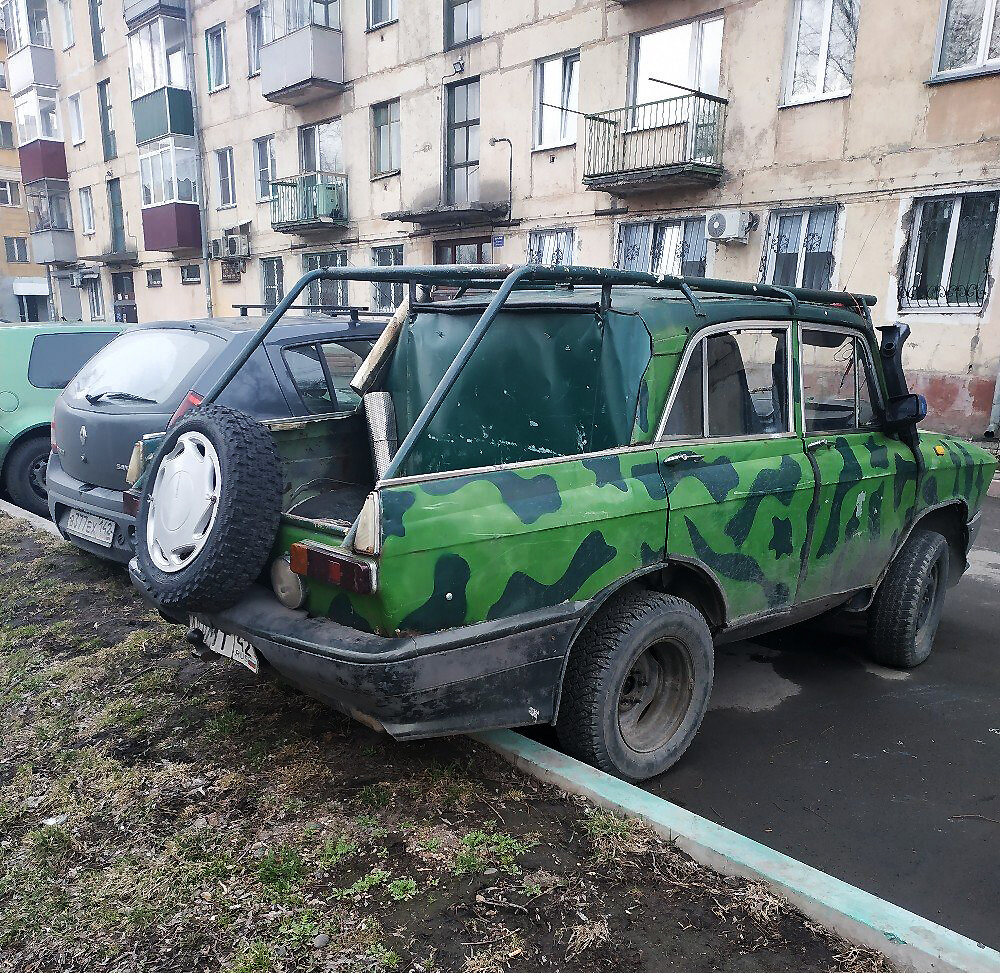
(889, 781)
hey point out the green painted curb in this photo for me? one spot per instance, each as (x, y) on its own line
(913, 943)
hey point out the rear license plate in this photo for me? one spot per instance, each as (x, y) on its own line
(228, 646)
(91, 528)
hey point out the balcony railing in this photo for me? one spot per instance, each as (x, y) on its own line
(312, 201)
(674, 141)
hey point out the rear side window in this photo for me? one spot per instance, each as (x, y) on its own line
(836, 388)
(146, 368)
(56, 358)
(322, 373)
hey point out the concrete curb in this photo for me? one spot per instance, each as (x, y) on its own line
(39, 523)
(913, 943)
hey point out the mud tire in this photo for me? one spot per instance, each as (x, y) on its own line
(246, 522)
(904, 616)
(602, 661)
(24, 474)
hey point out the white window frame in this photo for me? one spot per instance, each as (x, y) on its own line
(86, 196)
(567, 110)
(804, 211)
(277, 284)
(69, 32)
(537, 237)
(3, 74)
(95, 299)
(74, 105)
(153, 157)
(788, 100)
(982, 65)
(254, 43)
(190, 273)
(391, 290)
(217, 80)
(392, 18)
(657, 226)
(264, 142)
(224, 156)
(696, 55)
(12, 198)
(394, 154)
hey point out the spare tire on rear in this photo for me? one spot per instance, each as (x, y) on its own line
(209, 514)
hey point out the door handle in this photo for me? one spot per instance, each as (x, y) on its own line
(683, 458)
(816, 443)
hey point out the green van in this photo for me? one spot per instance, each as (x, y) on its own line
(36, 362)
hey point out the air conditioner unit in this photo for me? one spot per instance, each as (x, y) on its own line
(217, 248)
(237, 245)
(729, 225)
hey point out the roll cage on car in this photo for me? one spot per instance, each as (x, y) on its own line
(563, 484)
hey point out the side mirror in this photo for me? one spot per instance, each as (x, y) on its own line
(905, 411)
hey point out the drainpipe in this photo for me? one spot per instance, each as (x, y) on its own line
(200, 159)
(991, 429)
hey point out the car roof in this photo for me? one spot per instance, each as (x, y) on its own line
(55, 327)
(290, 326)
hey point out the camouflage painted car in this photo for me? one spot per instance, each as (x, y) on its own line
(556, 497)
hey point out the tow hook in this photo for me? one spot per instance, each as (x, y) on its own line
(196, 638)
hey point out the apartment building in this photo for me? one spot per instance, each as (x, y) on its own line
(210, 151)
(24, 287)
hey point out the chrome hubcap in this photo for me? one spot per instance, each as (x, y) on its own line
(183, 503)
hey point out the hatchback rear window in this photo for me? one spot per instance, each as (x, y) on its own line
(56, 358)
(146, 368)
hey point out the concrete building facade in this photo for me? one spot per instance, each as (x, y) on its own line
(216, 149)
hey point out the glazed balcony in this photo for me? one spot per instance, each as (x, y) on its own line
(309, 202)
(165, 111)
(303, 59)
(50, 222)
(676, 142)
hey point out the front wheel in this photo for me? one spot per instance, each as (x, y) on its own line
(637, 685)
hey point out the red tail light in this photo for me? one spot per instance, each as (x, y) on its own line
(191, 401)
(130, 503)
(326, 564)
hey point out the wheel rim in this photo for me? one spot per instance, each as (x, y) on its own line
(183, 503)
(37, 477)
(655, 696)
(928, 596)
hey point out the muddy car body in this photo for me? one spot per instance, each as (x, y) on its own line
(577, 484)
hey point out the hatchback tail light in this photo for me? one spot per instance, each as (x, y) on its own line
(322, 563)
(191, 400)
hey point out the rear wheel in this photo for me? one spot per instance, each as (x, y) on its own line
(637, 685)
(25, 473)
(904, 616)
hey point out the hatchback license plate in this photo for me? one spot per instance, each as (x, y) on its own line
(91, 528)
(228, 646)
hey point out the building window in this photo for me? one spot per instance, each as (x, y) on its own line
(557, 90)
(97, 29)
(168, 172)
(461, 21)
(970, 38)
(157, 56)
(3, 75)
(48, 206)
(36, 115)
(86, 210)
(10, 193)
(462, 176)
(380, 13)
(385, 138)
(69, 36)
(676, 247)
(949, 253)
(75, 119)
(798, 248)
(283, 18)
(95, 299)
(218, 65)
(107, 117)
(821, 61)
(272, 279)
(6, 135)
(387, 297)
(263, 160)
(154, 278)
(255, 39)
(16, 248)
(551, 247)
(191, 274)
(25, 22)
(689, 55)
(225, 177)
(321, 147)
(477, 251)
(326, 294)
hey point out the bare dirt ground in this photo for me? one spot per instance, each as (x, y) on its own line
(162, 814)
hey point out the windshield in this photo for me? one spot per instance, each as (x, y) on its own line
(147, 367)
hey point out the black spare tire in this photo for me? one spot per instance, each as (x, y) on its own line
(210, 510)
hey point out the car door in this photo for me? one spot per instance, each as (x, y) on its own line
(865, 478)
(739, 486)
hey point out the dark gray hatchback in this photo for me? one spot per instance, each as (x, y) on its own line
(150, 375)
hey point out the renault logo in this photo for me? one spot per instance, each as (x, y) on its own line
(83, 435)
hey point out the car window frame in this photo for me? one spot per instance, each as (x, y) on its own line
(285, 374)
(874, 378)
(698, 338)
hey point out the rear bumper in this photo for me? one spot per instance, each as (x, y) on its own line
(66, 493)
(476, 677)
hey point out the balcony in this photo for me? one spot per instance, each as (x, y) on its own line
(675, 143)
(437, 215)
(135, 11)
(172, 226)
(50, 222)
(165, 111)
(31, 65)
(120, 250)
(303, 65)
(42, 159)
(309, 202)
